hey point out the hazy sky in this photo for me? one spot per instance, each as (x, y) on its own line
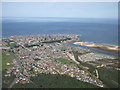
(61, 9)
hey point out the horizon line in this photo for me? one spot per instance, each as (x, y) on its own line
(58, 17)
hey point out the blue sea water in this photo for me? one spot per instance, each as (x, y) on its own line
(93, 30)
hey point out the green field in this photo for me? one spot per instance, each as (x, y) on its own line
(64, 61)
(7, 59)
(55, 81)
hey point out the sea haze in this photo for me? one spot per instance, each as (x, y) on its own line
(93, 30)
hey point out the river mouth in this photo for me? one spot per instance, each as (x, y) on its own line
(105, 50)
(108, 50)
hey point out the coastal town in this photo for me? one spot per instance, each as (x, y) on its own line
(52, 54)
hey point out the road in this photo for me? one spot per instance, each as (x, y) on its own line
(19, 64)
(21, 69)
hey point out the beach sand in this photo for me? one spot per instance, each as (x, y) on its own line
(110, 48)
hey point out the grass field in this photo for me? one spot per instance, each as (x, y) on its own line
(64, 61)
(7, 57)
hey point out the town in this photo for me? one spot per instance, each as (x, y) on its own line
(50, 54)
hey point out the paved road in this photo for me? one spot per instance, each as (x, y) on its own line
(18, 63)
(14, 81)
(21, 69)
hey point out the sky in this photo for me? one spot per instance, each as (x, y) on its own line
(60, 9)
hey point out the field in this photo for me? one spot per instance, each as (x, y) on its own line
(7, 57)
(64, 61)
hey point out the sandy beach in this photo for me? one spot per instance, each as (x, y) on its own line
(110, 48)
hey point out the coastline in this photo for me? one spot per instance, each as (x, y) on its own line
(100, 47)
(105, 47)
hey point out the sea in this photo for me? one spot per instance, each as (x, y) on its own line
(94, 30)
